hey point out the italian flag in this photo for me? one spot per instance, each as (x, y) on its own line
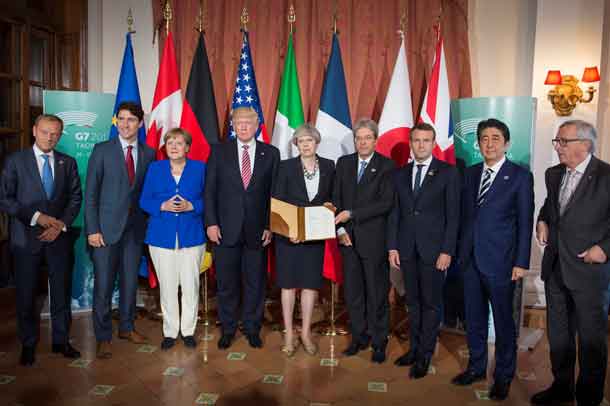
(289, 107)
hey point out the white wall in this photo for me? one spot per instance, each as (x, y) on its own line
(107, 28)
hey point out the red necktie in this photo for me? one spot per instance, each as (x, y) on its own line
(246, 172)
(131, 169)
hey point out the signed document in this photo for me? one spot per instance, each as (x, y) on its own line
(302, 223)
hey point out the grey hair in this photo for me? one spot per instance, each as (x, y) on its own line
(366, 123)
(584, 131)
(306, 129)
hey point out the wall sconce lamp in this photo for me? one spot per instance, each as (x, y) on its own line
(567, 94)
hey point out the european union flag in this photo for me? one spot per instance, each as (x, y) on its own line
(128, 89)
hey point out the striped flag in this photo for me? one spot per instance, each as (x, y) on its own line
(246, 91)
(436, 106)
(334, 119)
(335, 125)
(397, 115)
(289, 106)
(167, 101)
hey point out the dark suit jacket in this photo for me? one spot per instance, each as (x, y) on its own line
(290, 183)
(499, 232)
(22, 194)
(370, 201)
(109, 199)
(584, 223)
(242, 214)
(428, 223)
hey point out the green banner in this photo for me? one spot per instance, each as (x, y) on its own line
(518, 113)
(87, 118)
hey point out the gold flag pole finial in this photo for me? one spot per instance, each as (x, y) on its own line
(335, 11)
(245, 18)
(201, 18)
(437, 26)
(167, 16)
(130, 22)
(292, 17)
(403, 23)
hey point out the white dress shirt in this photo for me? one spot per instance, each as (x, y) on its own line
(495, 169)
(312, 185)
(251, 152)
(134, 151)
(424, 171)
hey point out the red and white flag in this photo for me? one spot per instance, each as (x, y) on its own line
(436, 107)
(397, 115)
(167, 102)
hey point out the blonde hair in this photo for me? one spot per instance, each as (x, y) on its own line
(176, 132)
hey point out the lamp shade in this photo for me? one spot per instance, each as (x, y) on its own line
(590, 74)
(553, 77)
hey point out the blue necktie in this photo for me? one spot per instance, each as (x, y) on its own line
(361, 170)
(47, 176)
(485, 185)
(417, 185)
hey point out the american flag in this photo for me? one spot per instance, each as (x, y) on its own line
(246, 90)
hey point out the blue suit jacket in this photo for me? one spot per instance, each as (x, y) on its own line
(498, 233)
(163, 226)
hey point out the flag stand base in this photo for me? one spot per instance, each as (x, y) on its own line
(330, 327)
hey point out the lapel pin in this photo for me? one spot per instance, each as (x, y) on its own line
(506, 177)
(431, 173)
(60, 162)
(373, 170)
(262, 153)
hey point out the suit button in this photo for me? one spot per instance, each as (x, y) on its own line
(176, 214)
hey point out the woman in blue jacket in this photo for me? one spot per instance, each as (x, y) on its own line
(173, 197)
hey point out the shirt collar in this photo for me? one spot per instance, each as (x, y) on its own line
(250, 143)
(367, 160)
(125, 144)
(427, 162)
(581, 167)
(38, 152)
(496, 167)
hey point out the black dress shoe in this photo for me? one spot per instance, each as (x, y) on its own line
(468, 377)
(552, 396)
(28, 356)
(357, 345)
(225, 341)
(378, 355)
(499, 390)
(254, 340)
(67, 350)
(420, 368)
(190, 341)
(406, 359)
(167, 343)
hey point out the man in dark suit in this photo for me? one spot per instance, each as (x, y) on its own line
(116, 225)
(422, 235)
(494, 252)
(239, 181)
(41, 192)
(363, 195)
(574, 225)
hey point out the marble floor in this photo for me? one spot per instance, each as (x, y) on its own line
(146, 375)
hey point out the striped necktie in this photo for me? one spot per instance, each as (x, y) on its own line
(361, 170)
(246, 171)
(485, 184)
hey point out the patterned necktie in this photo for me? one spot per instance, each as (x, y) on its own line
(567, 189)
(47, 176)
(246, 171)
(361, 170)
(417, 184)
(131, 168)
(485, 184)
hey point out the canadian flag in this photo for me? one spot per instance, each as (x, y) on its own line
(436, 106)
(167, 102)
(397, 115)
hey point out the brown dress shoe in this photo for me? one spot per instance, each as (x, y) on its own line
(104, 350)
(133, 337)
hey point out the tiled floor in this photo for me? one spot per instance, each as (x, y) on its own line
(138, 375)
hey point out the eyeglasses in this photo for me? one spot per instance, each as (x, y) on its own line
(564, 141)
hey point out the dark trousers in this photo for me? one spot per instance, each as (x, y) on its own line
(122, 257)
(577, 312)
(367, 283)
(424, 297)
(479, 290)
(236, 267)
(57, 257)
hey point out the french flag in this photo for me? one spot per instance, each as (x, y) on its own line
(335, 125)
(436, 107)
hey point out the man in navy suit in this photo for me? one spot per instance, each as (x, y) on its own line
(422, 235)
(116, 225)
(494, 252)
(41, 192)
(239, 180)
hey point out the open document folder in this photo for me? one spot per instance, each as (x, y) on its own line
(302, 223)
